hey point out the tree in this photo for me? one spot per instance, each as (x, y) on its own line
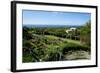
(85, 34)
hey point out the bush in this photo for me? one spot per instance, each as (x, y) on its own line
(75, 47)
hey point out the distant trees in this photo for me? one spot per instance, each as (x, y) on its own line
(60, 32)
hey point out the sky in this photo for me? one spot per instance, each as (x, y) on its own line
(51, 17)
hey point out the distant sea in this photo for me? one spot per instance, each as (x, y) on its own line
(49, 26)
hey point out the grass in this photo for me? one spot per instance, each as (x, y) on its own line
(55, 46)
(51, 37)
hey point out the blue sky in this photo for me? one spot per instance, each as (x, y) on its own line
(60, 18)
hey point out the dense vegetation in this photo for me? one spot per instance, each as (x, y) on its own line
(53, 44)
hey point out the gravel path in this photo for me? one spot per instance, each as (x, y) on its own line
(75, 55)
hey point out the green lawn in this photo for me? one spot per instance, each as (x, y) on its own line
(64, 39)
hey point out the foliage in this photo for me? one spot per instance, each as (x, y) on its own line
(85, 34)
(51, 44)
